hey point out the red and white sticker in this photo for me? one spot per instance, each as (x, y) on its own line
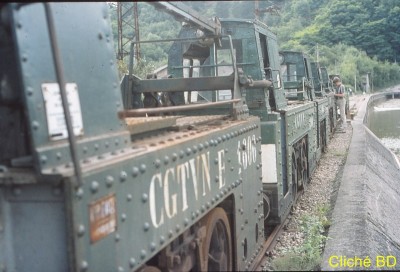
(103, 217)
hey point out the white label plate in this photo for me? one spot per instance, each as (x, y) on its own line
(55, 113)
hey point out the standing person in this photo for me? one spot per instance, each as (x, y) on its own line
(340, 102)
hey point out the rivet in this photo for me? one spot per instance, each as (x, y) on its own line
(120, 269)
(152, 246)
(106, 144)
(123, 217)
(162, 240)
(170, 233)
(145, 197)
(117, 237)
(186, 222)
(146, 226)
(206, 144)
(116, 142)
(81, 230)
(219, 139)
(79, 193)
(35, 125)
(203, 208)
(216, 178)
(166, 160)
(85, 149)
(177, 228)
(135, 171)
(142, 168)
(100, 36)
(122, 176)
(96, 146)
(109, 181)
(84, 265)
(29, 91)
(212, 142)
(129, 197)
(157, 163)
(143, 254)
(174, 156)
(132, 262)
(94, 186)
(201, 146)
(188, 151)
(194, 148)
(181, 154)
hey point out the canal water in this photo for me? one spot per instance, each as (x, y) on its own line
(384, 122)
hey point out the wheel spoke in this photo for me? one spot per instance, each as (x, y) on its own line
(218, 247)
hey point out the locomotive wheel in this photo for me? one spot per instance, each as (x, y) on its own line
(217, 246)
(304, 163)
(299, 172)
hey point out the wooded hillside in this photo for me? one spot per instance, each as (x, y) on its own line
(352, 37)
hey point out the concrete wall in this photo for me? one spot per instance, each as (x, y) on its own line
(365, 230)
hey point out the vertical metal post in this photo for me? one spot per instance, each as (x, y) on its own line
(137, 33)
(63, 92)
(120, 54)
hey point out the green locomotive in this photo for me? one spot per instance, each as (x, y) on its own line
(187, 172)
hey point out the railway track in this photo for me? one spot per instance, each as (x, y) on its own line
(271, 241)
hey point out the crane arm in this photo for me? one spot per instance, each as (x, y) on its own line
(184, 13)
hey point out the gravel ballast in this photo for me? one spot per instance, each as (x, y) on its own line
(320, 192)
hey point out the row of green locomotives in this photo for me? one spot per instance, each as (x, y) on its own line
(298, 113)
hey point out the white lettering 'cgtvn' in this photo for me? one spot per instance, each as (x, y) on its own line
(172, 185)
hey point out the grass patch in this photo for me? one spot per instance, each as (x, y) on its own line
(307, 256)
(339, 153)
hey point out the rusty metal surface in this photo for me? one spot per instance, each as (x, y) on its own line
(141, 112)
(142, 124)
